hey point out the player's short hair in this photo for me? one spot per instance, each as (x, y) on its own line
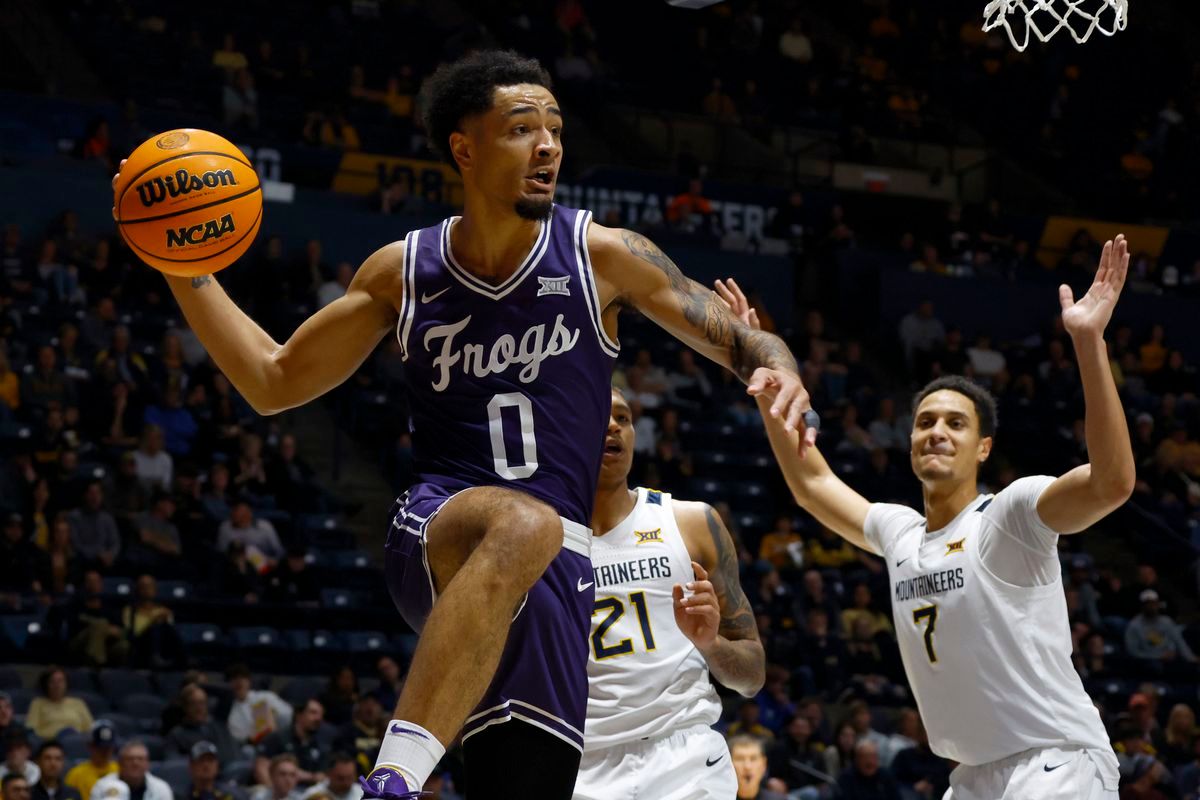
(985, 404)
(466, 87)
(746, 740)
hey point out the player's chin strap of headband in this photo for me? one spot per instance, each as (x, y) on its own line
(812, 420)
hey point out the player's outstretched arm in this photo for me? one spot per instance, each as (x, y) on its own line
(635, 272)
(717, 617)
(323, 352)
(1087, 494)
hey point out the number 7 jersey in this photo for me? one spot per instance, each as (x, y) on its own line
(508, 383)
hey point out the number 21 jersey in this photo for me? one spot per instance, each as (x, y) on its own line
(508, 383)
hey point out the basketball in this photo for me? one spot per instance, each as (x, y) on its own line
(188, 202)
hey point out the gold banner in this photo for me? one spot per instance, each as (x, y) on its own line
(1057, 235)
(367, 173)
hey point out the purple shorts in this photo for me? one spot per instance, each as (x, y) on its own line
(542, 677)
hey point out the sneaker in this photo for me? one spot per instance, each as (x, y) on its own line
(389, 784)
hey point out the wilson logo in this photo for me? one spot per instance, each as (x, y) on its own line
(199, 234)
(182, 182)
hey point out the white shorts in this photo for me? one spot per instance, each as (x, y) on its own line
(691, 764)
(1050, 773)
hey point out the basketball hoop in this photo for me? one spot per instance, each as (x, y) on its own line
(1044, 18)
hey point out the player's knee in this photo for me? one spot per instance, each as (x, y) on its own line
(525, 536)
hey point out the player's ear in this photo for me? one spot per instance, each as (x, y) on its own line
(985, 448)
(460, 150)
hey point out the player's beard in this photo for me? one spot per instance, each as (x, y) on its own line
(534, 208)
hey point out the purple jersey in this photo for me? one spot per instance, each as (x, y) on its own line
(508, 383)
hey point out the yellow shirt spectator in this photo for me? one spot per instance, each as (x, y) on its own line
(84, 776)
(830, 551)
(47, 717)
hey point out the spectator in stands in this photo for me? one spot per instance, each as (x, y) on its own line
(1142, 775)
(132, 779)
(750, 762)
(1176, 744)
(921, 334)
(94, 533)
(1187, 779)
(290, 480)
(46, 385)
(364, 732)
(10, 388)
(688, 384)
(748, 722)
(796, 758)
(794, 44)
(282, 779)
(986, 361)
(782, 547)
(292, 582)
(919, 770)
(255, 713)
(690, 211)
(332, 289)
(250, 475)
(16, 758)
(340, 695)
(54, 710)
(216, 499)
(157, 533)
(229, 57)
(238, 576)
(62, 566)
(155, 467)
(718, 105)
(94, 632)
(14, 787)
(239, 102)
(131, 367)
(262, 544)
(863, 608)
(391, 681)
(84, 776)
(23, 567)
(154, 642)
(97, 143)
(198, 727)
(52, 762)
(866, 779)
(1154, 637)
(859, 715)
(814, 594)
(8, 724)
(1143, 717)
(304, 739)
(176, 422)
(204, 765)
(889, 430)
(341, 782)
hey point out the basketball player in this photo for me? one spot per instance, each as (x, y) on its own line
(506, 319)
(977, 597)
(660, 625)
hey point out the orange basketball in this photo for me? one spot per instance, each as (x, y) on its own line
(188, 202)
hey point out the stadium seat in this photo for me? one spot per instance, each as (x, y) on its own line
(200, 634)
(167, 684)
(142, 706)
(256, 637)
(127, 726)
(175, 590)
(75, 745)
(298, 690)
(117, 683)
(82, 679)
(155, 745)
(98, 704)
(175, 773)
(21, 698)
(10, 678)
(339, 598)
(118, 587)
(239, 772)
(366, 642)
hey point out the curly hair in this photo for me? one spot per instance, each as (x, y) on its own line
(985, 404)
(467, 87)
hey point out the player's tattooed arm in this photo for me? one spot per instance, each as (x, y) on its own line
(736, 658)
(708, 323)
(201, 281)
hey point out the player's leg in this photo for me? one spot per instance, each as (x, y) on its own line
(483, 549)
(517, 761)
(691, 764)
(1070, 773)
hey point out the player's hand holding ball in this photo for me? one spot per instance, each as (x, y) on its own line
(187, 202)
(699, 614)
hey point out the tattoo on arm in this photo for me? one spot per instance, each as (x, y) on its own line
(202, 280)
(737, 618)
(748, 349)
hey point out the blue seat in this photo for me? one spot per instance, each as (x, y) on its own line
(300, 689)
(155, 745)
(256, 637)
(10, 678)
(17, 628)
(21, 698)
(126, 725)
(168, 684)
(81, 678)
(142, 706)
(175, 590)
(118, 587)
(240, 772)
(96, 703)
(75, 745)
(339, 598)
(350, 559)
(200, 633)
(117, 683)
(366, 642)
(175, 773)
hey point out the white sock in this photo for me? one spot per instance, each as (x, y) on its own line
(412, 750)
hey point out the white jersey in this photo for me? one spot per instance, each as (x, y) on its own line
(988, 658)
(645, 678)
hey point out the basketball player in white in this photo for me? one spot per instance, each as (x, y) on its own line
(976, 584)
(669, 609)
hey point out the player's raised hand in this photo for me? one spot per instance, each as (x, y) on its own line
(791, 402)
(699, 615)
(1089, 315)
(117, 177)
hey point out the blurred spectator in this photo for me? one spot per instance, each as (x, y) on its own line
(23, 567)
(866, 779)
(859, 715)
(364, 732)
(216, 499)
(157, 533)
(750, 763)
(908, 723)
(132, 779)
(1142, 775)
(130, 366)
(341, 782)
(238, 576)
(84, 776)
(794, 44)
(304, 739)
(198, 727)
(255, 713)
(155, 467)
(340, 695)
(690, 211)
(46, 385)
(391, 681)
(331, 131)
(331, 290)
(14, 787)
(816, 595)
(889, 430)
(8, 722)
(258, 536)
(985, 360)
(10, 387)
(718, 105)
(239, 102)
(290, 480)
(52, 762)
(747, 723)
(921, 334)
(1154, 636)
(688, 384)
(177, 424)
(1187, 779)
(97, 143)
(94, 533)
(54, 710)
(919, 770)
(796, 756)
(1177, 743)
(774, 699)
(16, 758)
(204, 765)
(229, 57)
(282, 780)
(94, 631)
(154, 642)
(782, 546)
(63, 570)
(292, 582)
(863, 608)
(250, 475)
(1143, 718)
(829, 551)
